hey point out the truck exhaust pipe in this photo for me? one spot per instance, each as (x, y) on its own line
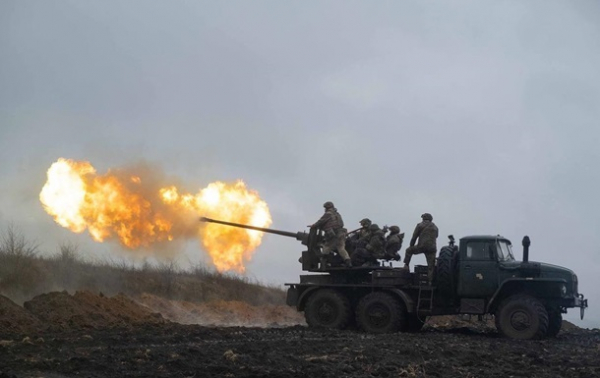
(526, 243)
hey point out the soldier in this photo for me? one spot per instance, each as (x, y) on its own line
(372, 250)
(335, 234)
(360, 237)
(364, 232)
(376, 245)
(427, 233)
(393, 243)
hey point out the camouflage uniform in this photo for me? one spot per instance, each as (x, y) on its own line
(393, 243)
(332, 225)
(376, 245)
(427, 233)
(365, 231)
(372, 250)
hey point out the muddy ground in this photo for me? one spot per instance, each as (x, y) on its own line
(117, 337)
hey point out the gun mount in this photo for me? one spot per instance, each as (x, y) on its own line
(312, 239)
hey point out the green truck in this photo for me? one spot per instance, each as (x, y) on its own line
(479, 276)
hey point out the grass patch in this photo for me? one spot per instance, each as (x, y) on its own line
(25, 273)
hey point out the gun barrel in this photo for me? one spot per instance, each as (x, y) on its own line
(297, 235)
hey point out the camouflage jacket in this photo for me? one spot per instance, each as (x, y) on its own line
(364, 235)
(376, 243)
(393, 243)
(330, 221)
(427, 233)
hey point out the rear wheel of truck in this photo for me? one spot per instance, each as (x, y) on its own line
(554, 321)
(327, 308)
(522, 317)
(380, 313)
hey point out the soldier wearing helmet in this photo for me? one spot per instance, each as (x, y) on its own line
(376, 245)
(393, 243)
(359, 237)
(363, 233)
(373, 249)
(332, 225)
(426, 233)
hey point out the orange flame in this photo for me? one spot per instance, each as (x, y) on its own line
(139, 212)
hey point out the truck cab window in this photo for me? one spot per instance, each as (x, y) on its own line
(504, 251)
(479, 251)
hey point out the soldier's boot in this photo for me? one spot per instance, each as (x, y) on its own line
(406, 267)
(348, 263)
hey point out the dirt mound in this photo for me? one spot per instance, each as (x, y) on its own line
(223, 313)
(15, 319)
(567, 326)
(87, 310)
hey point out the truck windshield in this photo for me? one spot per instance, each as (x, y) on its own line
(505, 251)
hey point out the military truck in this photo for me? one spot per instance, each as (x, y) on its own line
(479, 276)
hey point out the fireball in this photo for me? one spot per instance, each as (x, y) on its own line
(140, 211)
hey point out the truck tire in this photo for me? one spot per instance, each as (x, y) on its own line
(414, 323)
(522, 317)
(444, 275)
(554, 321)
(380, 313)
(327, 308)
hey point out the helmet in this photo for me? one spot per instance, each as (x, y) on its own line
(427, 216)
(328, 205)
(394, 229)
(365, 222)
(374, 227)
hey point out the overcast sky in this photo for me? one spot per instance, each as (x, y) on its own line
(483, 113)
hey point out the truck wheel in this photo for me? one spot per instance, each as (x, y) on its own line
(380, 313)
(522, 317)
(445, 271)
(327, 308)
(554, 321)
(415, 323)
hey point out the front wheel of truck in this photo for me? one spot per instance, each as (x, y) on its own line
(522, 317)
(554, 321)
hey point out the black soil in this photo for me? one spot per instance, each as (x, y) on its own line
(174, 350)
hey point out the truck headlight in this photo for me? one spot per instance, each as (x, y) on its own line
(563, 290)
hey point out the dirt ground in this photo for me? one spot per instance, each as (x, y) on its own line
(93, 336)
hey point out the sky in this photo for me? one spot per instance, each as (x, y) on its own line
(482, 113)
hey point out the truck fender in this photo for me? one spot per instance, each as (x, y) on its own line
(404, 297)
(534, 284)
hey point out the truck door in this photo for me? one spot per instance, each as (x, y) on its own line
(478, 269)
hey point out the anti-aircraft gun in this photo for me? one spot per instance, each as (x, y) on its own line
(312, 240)
(477, 276)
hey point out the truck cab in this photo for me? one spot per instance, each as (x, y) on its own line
(528, 298)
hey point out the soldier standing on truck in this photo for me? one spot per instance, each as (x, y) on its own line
(335, 234)
(427, 233)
